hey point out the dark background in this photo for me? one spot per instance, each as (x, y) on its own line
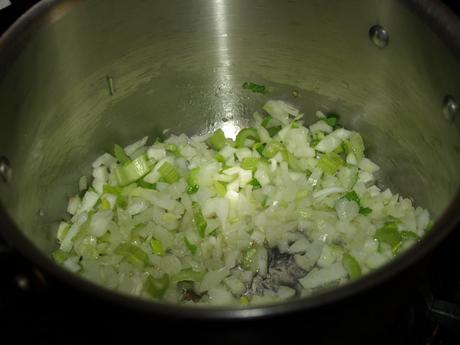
(39, 310)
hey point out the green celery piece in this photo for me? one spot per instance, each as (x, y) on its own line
(330, 162)
(248, 258)
(193, 248)
(217, 141)
(314, 142)
(246, 133)
(332, 120)
(351, 265)
(352, 196)
(390, 235)
(365, 210)
(249, 163)
(157, 247)
(192, 189)
(218, 157)
(169, 173)
(409, 235)
(59, 256)
(105, 204)
(356, 145)
(146, 185)
(120, 154)
(132, 253)
(272, 149)
(255, 184)
(192, 181)
(198, 218)
(266, 121)
(156, 287)
(254, 87)
(272, 131)
(188, 275)
(259, 147)
(244, 300)
(132, 171)
(170, 147)
(220, 188)
(391, 219)
(105, 238)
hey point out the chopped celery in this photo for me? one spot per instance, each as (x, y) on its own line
(365, 210)
(193, 248)
(390, 235)
(352, 196)
(132, 253)
(220, 188)
(156, 287)
(170, 147)
(120, 154)
(157, 247)
(246, 133)
(169, 173)
(199, 220)
(248, 258)
(351, 265)
(217, 141)
(255, 184)
(249, 163)
(266, 121)
(192, 181)
(105, 204)
(330, 162)
(254, 87)
(244, 300)
(272, 149)
(59, 256)
(146, 185)
(218, 157)
(356, 145)
(272, 131)
(132, 171)
(259, 147)
(314, 142)
(409, 235)
(188, 275)
(332, 120)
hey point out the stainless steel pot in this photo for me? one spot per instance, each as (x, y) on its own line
(77, 76)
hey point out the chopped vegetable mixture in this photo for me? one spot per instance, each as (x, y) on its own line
(209, 220)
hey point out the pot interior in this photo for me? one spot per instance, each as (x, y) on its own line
(180, 65)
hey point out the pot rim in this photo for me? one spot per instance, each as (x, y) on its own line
(442, 20)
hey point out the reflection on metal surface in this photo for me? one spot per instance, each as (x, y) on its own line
(58, 11)
(230, 129)
(223, 74)
(110, 85)
(5, 169)
(450, 108)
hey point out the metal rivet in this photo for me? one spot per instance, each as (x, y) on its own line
(379, 36)
(22, 282)
(5, 169)
(450, 108)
